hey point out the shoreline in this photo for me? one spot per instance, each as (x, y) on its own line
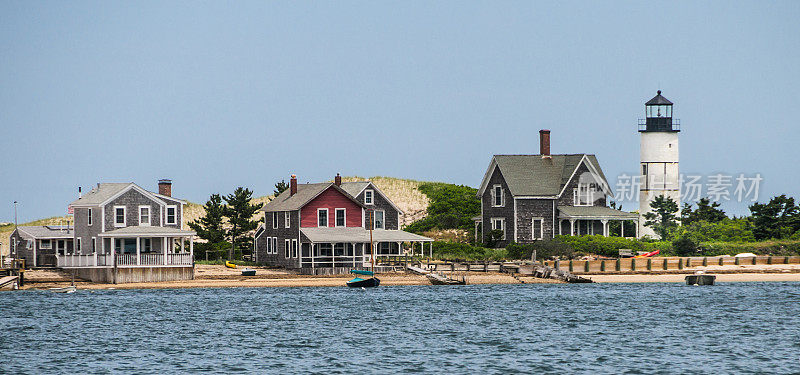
(206, 277)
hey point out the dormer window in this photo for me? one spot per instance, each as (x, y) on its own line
(119, 216)
(498, 198)
(583, 195)
(368, 196)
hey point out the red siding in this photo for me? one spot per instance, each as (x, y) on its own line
(330, 199)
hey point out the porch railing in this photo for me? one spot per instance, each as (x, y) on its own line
(124, 260)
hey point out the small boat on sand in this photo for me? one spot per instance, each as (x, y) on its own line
(229, 264)
(66, 289)
(248, 272)
(358, 282)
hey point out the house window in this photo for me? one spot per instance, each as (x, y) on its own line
(644, 169)
(144, 215)
(340, 217)
(325, 249)
(119, 216)
(583, 195)
(146, 245)
(287, 248)
(172, 215)
(94, 245)
(379, 222)
(274, 220)
(498, 199)
(78, 245)
(294, 248)
(89, 217)
(322, 217)
(269, 245)
(499, 223)
(287, 219)
(275, 245)
(338, 249)
(537, 228)
(368, 196)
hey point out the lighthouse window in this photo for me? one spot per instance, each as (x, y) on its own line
(644, 169)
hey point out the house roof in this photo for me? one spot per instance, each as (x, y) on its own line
(658, 100)
(305, 193)
(355, 188)
(47, 231)
(533, 175)
(359, 235)
(147, 231)
(579, 212)
(107, 190)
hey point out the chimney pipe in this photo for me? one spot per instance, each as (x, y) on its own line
(165, 187)
(544, 143)
(80, 195)
(293, 185)
(337, 180)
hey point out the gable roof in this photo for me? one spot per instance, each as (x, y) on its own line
(534, 176)
(355, 188)
(305, 193)
(104, 192)
(47, 231)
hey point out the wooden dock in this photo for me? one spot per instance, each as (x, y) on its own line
(8, 280)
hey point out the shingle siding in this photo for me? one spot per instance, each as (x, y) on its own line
(132, 199)
(567, 199)
(380, 203)
(282, 233)
(527, 210)
(84, 231)
(506, 212)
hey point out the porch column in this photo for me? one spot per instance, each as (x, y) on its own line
(622, 228)
(605, 227)
(164, 248)
(113, 251)
(333, 255)
(353, 248)
(191, 248)
(571, 227)
(637, 229)
(138, 251)
(183, 249)
(313, 256)
(560, 221)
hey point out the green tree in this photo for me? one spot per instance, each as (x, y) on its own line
(662, 216)
(779, 218)
(706, 210)
(240, 212)
(210, 226)
(450, 207)
(280, 187)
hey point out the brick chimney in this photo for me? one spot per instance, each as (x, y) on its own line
(544, 143)
(165, 187)
(293, 185)
(337, 180)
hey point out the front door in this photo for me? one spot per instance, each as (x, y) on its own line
(60, 247)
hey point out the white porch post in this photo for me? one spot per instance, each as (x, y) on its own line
(138, 251)
(605, 227)
(191, 248)
(113, 251)
(560, 222)
(164, 248)
(183, 249)
(571, 227)
(637, 229)
(622, 228)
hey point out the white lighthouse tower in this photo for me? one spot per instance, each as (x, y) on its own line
(659, 157)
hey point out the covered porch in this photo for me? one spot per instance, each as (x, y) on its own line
(593, 220)
(350, 247)
(138, 247)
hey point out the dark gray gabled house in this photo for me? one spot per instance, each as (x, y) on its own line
(534, 197)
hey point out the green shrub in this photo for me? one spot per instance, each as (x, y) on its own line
(459, 251)
(451, 207)
(684, 246)
(545, 249)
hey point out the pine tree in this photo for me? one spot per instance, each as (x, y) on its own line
(240, 212)
(209, 227)
(662, 217)
(706, 210)
(777, 219)
(280, 187)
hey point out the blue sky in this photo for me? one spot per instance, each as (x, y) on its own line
(217, 95)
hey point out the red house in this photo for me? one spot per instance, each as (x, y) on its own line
(325, 227)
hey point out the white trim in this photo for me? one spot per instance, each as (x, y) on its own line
(383, 223)
(149, 215)
(137, 188)
(503, 221)
(541, 228)
(89, 217)
(287, 220)
(327, 218)
(124, 217)
(275, 220)
(102, 219)
(371, 197)
(76, 247)
(94, 245)
(166, 215)
(287, 243)
(603, 184)
(336, 217)
(49, 244)
(295, 249)
(374, 187)
(275, 245)
(515, 220)
(487, 176)
(502, 196)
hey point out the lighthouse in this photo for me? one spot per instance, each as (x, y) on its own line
(658, 157)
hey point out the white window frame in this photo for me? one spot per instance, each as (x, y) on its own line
(336, 217)
(294, 248)
(275, 245)
(174, 217)
(502, 196)
(374, 219)
(43, 247)
(78, 245)
(124, 217)
(540, 221)
(502, 222)
(287, 243)
(371, 194)
(94, 245)
(327, 218)
(147, 244)
(589, 195)
(149, 215)
(89, 217)
(287, 219)
(275, 220)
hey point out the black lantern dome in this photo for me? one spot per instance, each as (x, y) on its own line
(658, 116)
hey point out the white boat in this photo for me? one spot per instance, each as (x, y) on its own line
(66, 289)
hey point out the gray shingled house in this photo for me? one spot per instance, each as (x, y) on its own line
(324, 227)
(39, 244)
(534, 197)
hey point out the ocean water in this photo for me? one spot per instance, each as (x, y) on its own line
(486, 329)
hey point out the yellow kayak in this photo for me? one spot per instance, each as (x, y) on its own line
(229, 264)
